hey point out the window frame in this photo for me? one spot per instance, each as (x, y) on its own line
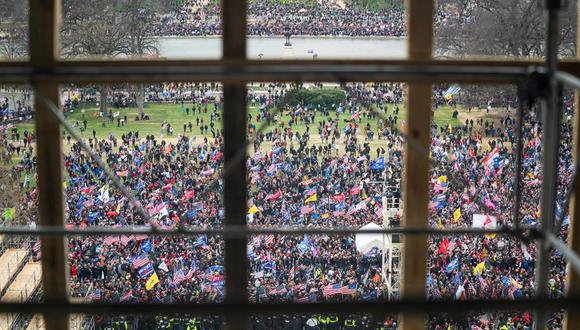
(45, 71)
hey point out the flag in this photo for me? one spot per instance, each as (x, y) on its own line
(146, 270)
(178, 275)
(311, 199)
(378, 164)
(306, 209)
(9, 213)
(146, 246)
(273, 197)
(188, 195)
(253, 210)
(140, 261)
(452, 265)
(339, 198)
(96, 295)
(310, 192)
(110, 240)
(151, 282)
(128, 295)
(269, 239)
(491, 158)
(349, 289)
(456, 215)
(163, 266)
(126, 239)
(479, 269)
(200, 241)
(355, 190)
(332, 289)
(516, 284)
(192, 269)
(443, 247)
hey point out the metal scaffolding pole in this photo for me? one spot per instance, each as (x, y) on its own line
(550, 147)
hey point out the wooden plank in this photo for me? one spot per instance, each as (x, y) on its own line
(416, 171)
(234, 125)
(10, 261)
(572, 319)
(44, 49)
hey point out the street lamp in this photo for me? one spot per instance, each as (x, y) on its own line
(287, 34)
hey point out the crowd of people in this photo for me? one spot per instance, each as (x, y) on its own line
(273, 18)
(312, 167)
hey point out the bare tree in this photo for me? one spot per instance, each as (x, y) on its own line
(491, 27)
(138, 18)
(92, 28)
(14, 28)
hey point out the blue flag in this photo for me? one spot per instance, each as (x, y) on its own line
(378, 164)
(146, 270)
(452, 265)
(147, 246)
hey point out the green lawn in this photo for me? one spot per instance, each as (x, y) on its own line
(173, 114)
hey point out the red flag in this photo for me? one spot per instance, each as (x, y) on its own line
(339, 198)
(188, 195)
(355, 190)
(443, 247)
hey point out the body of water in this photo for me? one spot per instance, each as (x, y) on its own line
(303, 48)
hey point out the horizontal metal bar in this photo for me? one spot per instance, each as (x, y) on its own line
(569, 254)
(248, 71)
(377, 308)
(242, 231)
(567, 79)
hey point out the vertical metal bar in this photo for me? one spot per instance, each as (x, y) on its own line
(518, 151)
(572, 320)
(44, 48)
(550, 150)
(235, 137)
(416, 177)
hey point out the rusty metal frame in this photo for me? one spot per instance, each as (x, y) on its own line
(44, 71)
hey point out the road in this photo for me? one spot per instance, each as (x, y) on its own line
(303, 48)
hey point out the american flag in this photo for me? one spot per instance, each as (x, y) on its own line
(348, 289)
(96, 295)
(128, 295)
(178, 276)
(140, 261)
(36, 247)
(303, 300)
(110, 240)
(332, 289)
(189, 274)
(126, 239)
(269, 239)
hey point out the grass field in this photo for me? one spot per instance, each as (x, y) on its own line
(173, 114)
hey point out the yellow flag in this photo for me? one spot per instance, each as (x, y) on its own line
(450, 129)
(152, 281)
(442, 179)
(490, 236)
(516, 284)
(310, 199)
(484, 252)
(479, 269)
(325, 215)
(456, 215)
(253, 209)
(118, 209)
